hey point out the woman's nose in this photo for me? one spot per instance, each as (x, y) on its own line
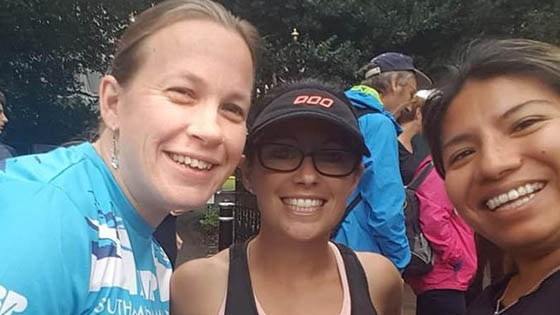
(204, 126)
(499, 158)
(306, 173)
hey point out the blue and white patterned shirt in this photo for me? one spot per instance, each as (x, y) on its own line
(71, 242)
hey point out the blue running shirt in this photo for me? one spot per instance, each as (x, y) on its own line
(71, 243)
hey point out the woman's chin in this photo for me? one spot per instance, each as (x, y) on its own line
(307, 235)
(189, 199)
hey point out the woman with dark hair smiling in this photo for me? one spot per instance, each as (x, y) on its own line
(303, 159)
(493, 133)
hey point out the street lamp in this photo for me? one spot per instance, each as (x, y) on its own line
(295, 34)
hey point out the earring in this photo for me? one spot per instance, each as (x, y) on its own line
(114, 151)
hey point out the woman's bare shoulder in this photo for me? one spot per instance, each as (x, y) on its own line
(198, 286)
(209, 265)
(376, 263)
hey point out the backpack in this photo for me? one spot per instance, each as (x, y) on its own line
(422, 256)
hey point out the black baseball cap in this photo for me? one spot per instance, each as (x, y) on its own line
(392, 61)
(310, 103)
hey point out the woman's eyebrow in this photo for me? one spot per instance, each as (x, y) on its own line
(505, 115)
(457, 139)
(520, 106)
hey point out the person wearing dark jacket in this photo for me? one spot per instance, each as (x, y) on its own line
(409, 118)
(442, 290)
(5, 151)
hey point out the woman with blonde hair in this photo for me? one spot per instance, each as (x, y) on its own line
(76, 224)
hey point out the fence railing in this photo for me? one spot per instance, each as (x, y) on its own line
(240, 205)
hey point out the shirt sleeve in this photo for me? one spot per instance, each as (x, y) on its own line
(44, 265)
(382, 189)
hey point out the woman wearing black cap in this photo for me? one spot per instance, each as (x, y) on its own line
(302, 162)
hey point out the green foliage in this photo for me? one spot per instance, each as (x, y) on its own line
(210, 221)
(46, 43)
(337, 37)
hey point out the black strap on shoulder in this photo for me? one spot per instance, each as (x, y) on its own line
(363, 111)
(360, 112)
(353, 203)
(240, 299)
(418, 179)
(357, 282)
(349, 208)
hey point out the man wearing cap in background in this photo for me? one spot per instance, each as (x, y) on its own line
(375, 219)
(5, 152)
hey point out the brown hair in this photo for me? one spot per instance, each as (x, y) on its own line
(128, 57)
(485, 59)
(408, 113)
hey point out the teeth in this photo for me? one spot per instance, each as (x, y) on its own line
(302, 204)
(519, 195)
(191, 162)
(503, 198)
(513, 194)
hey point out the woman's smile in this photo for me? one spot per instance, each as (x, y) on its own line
(304, 206)
(515, 197)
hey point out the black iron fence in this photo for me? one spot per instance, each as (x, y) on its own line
(247, 217)
(239, 215)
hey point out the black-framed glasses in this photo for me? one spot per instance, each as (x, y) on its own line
(288, 158)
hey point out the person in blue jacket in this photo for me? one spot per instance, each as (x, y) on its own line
(375, 221)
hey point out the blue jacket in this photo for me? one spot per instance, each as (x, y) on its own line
(376, 223)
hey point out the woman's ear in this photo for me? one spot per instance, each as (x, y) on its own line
(109, 96)
(245, 174)
(241, 160)
(418, 115)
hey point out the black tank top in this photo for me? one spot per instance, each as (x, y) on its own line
(543, 301)
(240, 298)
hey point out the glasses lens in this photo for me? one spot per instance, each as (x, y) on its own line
(335, 162)
(280, 157)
